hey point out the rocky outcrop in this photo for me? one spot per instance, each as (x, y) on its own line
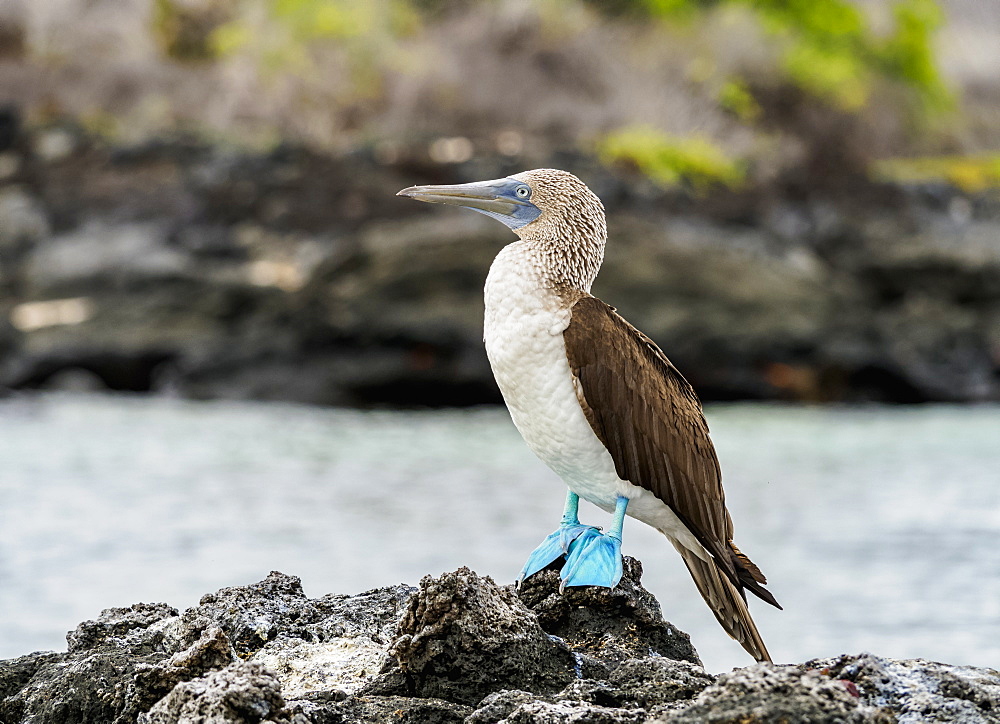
(241, 692)
(458, 648)
(450, 645)
(180, 267)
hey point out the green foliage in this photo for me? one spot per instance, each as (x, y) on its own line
(658, 9)
(184, 31)
(284, 40)
(829, 73)
(824, 47)
(828, 48)
(339, 19)
(735, 96)
(970, 173)
(831, 51)
(669, 160)
(909, 53)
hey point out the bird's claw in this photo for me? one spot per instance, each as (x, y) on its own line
(594, 562)
(562, 542)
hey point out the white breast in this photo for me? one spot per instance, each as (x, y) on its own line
(523, 332)
(524, 340)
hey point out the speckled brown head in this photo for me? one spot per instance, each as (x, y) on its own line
(551, 210)
(569, 210)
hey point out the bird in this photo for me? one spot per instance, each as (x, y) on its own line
(597, 400)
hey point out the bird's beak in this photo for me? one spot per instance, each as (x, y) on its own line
(485, 196)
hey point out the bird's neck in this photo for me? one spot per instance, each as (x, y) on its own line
(561, 261)
(563, 265)
(567, 249)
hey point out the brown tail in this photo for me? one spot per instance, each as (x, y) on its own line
(726, 603)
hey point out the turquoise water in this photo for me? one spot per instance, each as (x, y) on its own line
(876, 526)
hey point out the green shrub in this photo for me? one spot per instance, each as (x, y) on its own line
(833, 53)
(970, 173)
(668, 160)
(735, 97)
(828, 48)
(185, 30)
(364, 30)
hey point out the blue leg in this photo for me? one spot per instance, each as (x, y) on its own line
(570, 535)
(598, 560)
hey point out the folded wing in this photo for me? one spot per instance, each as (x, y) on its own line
(651, 421)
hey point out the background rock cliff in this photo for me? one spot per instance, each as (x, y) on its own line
(178, 267)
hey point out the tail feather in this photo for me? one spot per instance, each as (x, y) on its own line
(726, 601)
(751, 567)
(749, 576)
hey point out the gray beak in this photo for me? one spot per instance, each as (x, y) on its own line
(485, 196)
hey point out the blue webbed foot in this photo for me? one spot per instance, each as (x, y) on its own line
(595, 562)
(557, 544)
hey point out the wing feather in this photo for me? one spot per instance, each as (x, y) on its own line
(651, 421)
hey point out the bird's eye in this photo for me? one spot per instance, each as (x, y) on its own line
(523, 192)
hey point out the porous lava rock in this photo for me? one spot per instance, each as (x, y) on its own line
(116, 667)
(463, 637)
(459, 649)
(611, 625)
(241, 692)
(767, 693)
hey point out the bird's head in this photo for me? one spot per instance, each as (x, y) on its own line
(541, 204)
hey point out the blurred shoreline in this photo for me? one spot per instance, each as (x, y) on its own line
(194, 269)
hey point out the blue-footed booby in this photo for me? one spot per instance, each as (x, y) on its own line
(597, 400)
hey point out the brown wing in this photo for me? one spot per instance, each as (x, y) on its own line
(651, 421)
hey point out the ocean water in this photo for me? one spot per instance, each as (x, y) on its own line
(878, 527)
